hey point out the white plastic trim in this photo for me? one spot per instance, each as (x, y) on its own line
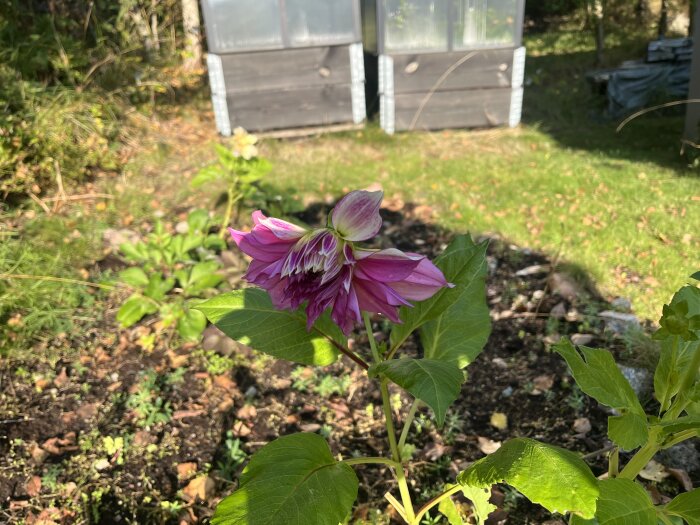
(386, 94)
(516, 107)
(518, 67)
(357, 89)
(217, 85)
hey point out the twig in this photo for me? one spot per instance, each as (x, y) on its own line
(437, 84)
(15, 420)
(61, 197)
(8, 276)
(654, 108)
(597, 453)
(40, 203)
(86, 196)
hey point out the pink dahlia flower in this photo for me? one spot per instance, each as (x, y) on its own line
(324, 269)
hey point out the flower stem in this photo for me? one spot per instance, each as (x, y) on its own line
(640, 459)
(437, 499)
(370, 460)
(345, 351)
(232, 199)
(391, 432)
(407, 424)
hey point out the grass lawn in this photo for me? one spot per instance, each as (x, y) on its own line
(622, 206)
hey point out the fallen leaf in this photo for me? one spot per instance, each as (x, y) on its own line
(201, 487)
(186, 470)
(38, 454)
(61, 379)
(240, 429)
(225, 382)
(176, 360)
(499, 420)
(654, 471)
(434, 451)
(682, 477)
(181, 414)
(488, 446)
(87, 410)
(33, 486)
(247, 412)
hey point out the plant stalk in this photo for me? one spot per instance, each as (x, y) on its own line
(370, 461)
(640, 459)
(435, 501)
(407, 424)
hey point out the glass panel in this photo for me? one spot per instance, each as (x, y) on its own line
(312, 22)
(480, 23)
(243, 24)
(413, 25)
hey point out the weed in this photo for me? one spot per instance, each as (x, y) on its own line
(306, 380)
(147, 401)
(214, 363)
(232, 457)
(576, 399)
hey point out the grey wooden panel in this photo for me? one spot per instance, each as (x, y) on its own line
(474, 108)
(291, 108)
(480, 69)
(286, 68)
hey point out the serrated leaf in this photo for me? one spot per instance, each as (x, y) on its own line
(460, 333)
(458, 265)
(293, 480)
(135, 277)
(448, 509)
(623, 502)
(197, 220)
(206, 175)
(481, 505)
(628, 431)
(691, 422)
(158, 287)
(598, 376)
(134, 309)
(686, 506)
(191, 325)
(249, 317)
(551, 476)
(436, 383)
(674, 359)
(696, 276)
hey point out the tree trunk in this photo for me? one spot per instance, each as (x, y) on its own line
(599, 28)
(193, 39)
(144, 32)
(692, 4)
(663, 19)
(641, 10)
(154, 25)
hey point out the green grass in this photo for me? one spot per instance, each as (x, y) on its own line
(622, 206)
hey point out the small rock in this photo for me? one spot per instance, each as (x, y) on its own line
(559, 311)
(211, 341)
(507, 391)
(537, 295)
(38, 454)
(681, 456)
(101, 464)
(251, 391)
(247, 412)
(499, 420)
(535, 269)
(310, 427)
(182, 227)
(500, 362)
(640, 379)
(491, 264)
(542, 384)
(582, 426)
(619, 323)
(488, 446)
(519, 303)
(240, 429)
(581, 339)
(621, 304)
(115, 238)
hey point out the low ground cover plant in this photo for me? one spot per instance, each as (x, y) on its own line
(319, 285)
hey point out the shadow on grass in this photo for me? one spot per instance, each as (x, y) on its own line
(561, 102)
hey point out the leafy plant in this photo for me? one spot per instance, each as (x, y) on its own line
(173, 271)
(325, 385)
(147, 401)
(240, 168)
(232, 457)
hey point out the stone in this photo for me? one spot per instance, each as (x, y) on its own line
(535, 269)
(559, 311)
(621, 304)
(681, 456)
(581, 339)
(640, 379)
(618, 322)
(564, 286)
(182, 227)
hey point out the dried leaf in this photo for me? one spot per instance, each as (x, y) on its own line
(201, 487)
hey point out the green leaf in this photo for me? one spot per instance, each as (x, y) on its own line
(293, 480)
(191, 325)
(598, 376)
(460, 333)
(686, 506)
(696, 276)
(134, 252)
(436, 383)
(158, 287)
(134, 309)
(207, 175)
(628, 431)
(551, 476)
(481, 505)
(461, 263)
(197, 221)
(623, 502)
(203, 276)
(674, 359)
(135, 277)
(249, 317)
(691, 422)
(448, 509)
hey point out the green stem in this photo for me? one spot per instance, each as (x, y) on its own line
(435, 501)
(391, 432)
(371, 460)
(231, 200)
(681, 436)
(407, 424)
(640, 459)
(614, 463)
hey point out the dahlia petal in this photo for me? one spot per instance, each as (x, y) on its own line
(424, 282)
(385, 265)
(378, 298)
(257, 246)
(356, 216)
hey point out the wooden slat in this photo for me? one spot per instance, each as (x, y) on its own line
(286, 68)
(475, 108)
(291, 108)
(480, 69)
